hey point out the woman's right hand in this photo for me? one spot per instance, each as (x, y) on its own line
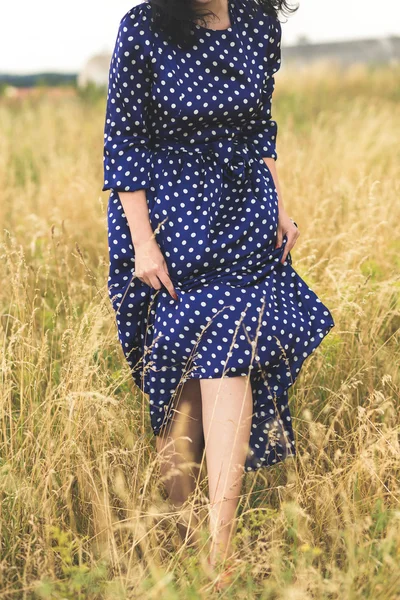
(151, 268)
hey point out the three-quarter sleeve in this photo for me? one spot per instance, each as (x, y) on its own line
(262, 130)
(127, 154)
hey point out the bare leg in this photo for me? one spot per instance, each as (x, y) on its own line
(227, 411)
(181, 457)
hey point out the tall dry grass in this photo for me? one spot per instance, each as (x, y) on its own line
(82, 511)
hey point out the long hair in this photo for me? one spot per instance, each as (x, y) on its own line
(176, 17)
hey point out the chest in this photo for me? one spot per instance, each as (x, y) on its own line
(219, 77)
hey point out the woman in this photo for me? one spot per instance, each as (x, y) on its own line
(214, 321)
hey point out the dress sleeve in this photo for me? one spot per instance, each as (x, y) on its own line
(262, 129)
(126, 155)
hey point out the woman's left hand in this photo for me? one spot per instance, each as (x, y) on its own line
(286, 226)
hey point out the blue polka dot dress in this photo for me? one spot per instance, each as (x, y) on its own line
(191, 126)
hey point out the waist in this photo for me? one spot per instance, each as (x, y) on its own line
(231, 151)
(194, 145)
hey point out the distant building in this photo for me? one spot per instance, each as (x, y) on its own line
(95, 70)
(383, 51)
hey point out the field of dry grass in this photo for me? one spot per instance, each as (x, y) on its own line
(82, 515)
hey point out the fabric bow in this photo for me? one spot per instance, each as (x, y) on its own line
(231, 155)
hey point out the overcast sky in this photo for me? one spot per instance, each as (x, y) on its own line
(43, 35)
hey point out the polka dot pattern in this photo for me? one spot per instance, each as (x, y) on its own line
(191, 127)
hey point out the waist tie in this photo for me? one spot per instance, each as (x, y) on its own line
(231, 154)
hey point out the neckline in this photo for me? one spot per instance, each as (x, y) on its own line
(227, 30)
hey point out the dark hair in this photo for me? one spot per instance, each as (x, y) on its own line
(176, 17)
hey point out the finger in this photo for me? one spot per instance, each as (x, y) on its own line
(279, 238)
(296, 230)
(166, 270)
(165, 278)
(296, 235)
(291, 239)
(143, 279)
(288, 247)
(154, 281)
(292, 236)
(284, 255)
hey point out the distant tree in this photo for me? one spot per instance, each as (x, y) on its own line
(41, 81)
